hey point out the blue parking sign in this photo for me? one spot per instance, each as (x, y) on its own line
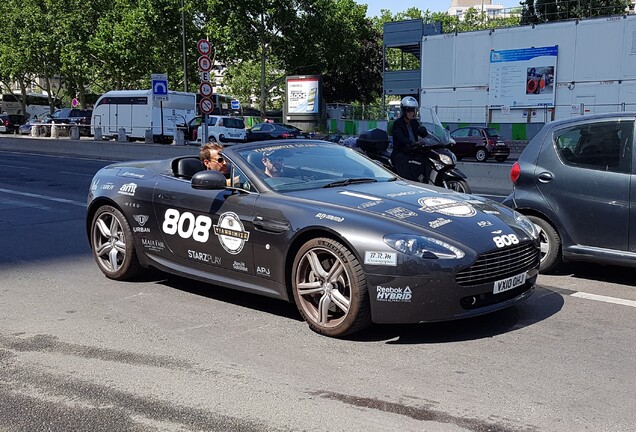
(235, 104)
(159, 84)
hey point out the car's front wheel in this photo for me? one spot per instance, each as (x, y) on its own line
(501, 158)
(112, 244)
(481, 155)
(330, 288)
(550, 245)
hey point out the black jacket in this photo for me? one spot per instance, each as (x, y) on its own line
(401, 141)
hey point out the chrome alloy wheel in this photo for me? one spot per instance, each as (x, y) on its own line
(323, 287)
(109, 242)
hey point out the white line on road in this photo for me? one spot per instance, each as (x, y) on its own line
(79, 174)
(605, 299)
(32, 195)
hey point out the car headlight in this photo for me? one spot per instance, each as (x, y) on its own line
(424, 247)
(527, 225)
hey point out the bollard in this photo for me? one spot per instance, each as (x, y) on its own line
(35, 130)
(74, 133)
(54, 131)
(148, 138)
(98, 133)
(179, 138)
(121, 135)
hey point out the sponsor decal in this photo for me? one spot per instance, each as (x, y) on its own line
(141, 219)
(329, 217)
(239, 265)
(108, 186)
(358, 195)
(484, 224)
(369, 204)
(401, 213)
(494, 212)
(94, 185)
(391, 294)
(133, 174)
(439, 222)
(132, 204)
(380, 258)
(262, 271)
(186, 225)
(153, 245)
(400, 194)
(505, 240)
(204, 257)
(231, 233)
(496, 232)
(447, 206)
(128, 189)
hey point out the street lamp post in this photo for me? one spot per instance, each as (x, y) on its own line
(185, 57)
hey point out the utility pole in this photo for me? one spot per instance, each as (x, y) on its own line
(185, 57)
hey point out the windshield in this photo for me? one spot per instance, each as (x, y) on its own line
(429, 119)
(492, 132)
(289, 167)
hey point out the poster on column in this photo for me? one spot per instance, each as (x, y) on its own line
(523, 78)
(303, 94)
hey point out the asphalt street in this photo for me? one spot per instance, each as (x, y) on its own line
(80, 352)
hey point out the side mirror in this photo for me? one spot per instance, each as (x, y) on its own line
(208, 180)
(422, 132)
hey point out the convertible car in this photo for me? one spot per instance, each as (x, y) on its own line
(319, 225)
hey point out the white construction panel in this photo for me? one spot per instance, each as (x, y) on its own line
(599, 44)
(438, 61)
(472, 66)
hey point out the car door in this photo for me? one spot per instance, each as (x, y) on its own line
(206, 229)
(462, 147)
(584, 173)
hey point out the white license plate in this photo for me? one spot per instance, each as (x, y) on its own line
(509, 283)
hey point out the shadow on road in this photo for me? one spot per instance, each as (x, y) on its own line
(597, 272)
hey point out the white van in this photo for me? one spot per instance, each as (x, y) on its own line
(135, 111)
(224, 129)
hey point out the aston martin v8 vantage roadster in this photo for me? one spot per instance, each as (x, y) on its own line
(319, 225)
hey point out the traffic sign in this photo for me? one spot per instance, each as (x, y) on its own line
(204, 63)
(205, 76)
(235, 104)
(204, 47)
(159, 86)
(205, 89)
(206, 105)
(74, 103)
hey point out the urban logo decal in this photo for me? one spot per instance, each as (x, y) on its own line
(141, 220)
(231, 233)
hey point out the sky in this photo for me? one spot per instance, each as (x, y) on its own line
(395, 6)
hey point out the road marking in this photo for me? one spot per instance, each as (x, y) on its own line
(19, 167)
(605, 299)
(32, 195)
(78, 174)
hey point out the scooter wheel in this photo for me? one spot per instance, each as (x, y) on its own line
(458, 186)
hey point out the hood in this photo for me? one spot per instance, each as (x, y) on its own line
(470, 219)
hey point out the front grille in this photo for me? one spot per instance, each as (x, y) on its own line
(493, 266)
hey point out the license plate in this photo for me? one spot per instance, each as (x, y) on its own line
(509, 283)
(501, 143)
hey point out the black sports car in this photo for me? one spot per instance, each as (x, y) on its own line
(317, 224)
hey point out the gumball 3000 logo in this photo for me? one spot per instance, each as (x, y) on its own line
(447, 206)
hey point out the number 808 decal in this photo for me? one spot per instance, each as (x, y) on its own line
(505, 240)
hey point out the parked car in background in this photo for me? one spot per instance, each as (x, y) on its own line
(575, 181)
(69, 116)
(10, 123)
(191, 128)
(480, 143)
(224, 130)
(26, 128)
(268, 131)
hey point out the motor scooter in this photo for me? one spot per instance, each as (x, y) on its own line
(433, 152)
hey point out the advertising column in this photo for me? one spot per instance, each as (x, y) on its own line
(304, 99)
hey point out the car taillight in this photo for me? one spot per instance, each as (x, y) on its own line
(287, 135)
(515, 171)
(6, 122)
(492, 141)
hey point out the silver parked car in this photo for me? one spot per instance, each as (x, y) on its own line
(575, 181)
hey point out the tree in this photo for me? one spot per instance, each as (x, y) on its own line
(536, 11)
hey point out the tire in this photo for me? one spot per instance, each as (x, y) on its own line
(112, 244)
(481, 155)
(332, 304)
(221, 138)
(458, 186)
(501, 158)
(550, 245)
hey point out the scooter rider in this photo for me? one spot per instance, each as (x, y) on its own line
(407, 160)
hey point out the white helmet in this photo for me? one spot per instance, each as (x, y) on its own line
(409, 102)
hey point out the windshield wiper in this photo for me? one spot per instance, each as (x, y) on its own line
(346, 182)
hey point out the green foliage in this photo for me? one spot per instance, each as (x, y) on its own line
(536, 11)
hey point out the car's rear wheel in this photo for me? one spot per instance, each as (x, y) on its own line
(457, 185)
(481, 155)
(112, 244)
(501, 158)
(330, 288)
(550, 245)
